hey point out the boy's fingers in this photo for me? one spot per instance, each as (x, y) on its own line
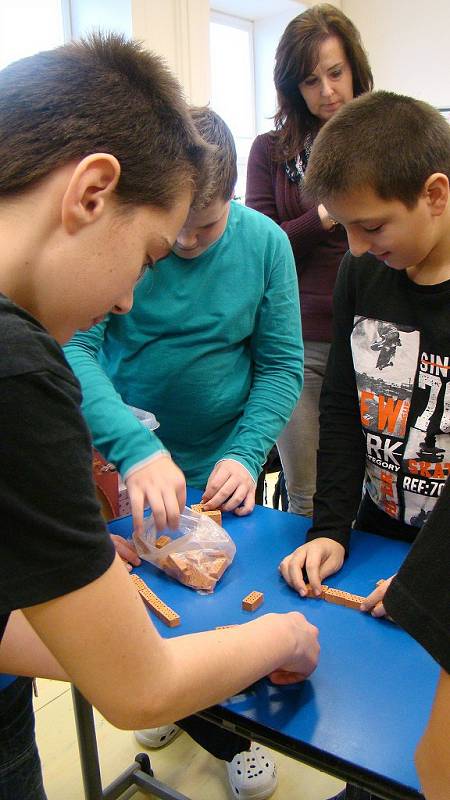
(373, 598)
(137, 510)
(294, 569)
(313, 569)
(125, 550)
(172, 510)
(282, 677)
(379, 610)
(248, 505)
(236, 499)
(222, 495)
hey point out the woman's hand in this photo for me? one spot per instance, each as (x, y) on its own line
(328, 223)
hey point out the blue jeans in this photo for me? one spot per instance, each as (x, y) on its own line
(20, 766)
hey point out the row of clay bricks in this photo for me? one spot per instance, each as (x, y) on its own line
(251, 602)
(337, 596)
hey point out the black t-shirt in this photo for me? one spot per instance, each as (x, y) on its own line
(52, 537)
(385, 404)
(419, 597)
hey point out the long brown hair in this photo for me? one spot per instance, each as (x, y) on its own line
(296, 58)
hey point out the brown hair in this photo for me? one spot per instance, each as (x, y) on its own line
(296, 57)
(221, 166)
(103, 94)
(384, 141)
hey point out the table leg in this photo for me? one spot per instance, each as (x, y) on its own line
(138, 774)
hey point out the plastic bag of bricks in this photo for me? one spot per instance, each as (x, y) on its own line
(197, 554)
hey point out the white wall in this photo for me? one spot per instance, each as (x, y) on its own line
(267, 33)
(178, 30)
(408, 45)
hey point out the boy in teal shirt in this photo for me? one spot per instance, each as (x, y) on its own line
(212, 347)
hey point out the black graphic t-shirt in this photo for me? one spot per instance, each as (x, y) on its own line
(385, 405)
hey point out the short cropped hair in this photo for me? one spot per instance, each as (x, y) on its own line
(222, 163)
(384, 141)
(296, 57)
(102, 94)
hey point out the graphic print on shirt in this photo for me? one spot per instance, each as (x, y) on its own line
(404, 400)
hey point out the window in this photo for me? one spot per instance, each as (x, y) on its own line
(232, 84)
(27, 26)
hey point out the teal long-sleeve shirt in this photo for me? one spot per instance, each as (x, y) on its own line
(212, 346)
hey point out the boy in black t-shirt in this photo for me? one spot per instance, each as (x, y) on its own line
(98, 160)
(381, 167)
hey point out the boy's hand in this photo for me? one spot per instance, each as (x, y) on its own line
(374, 602)
(230, 487)
(305, 656)
(161, 485)
(320, 558)
(126, 550)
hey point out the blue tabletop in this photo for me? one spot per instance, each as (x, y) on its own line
(368, 701)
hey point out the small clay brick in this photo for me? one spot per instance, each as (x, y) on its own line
(215, 515)
(342, 598)
(252, 601)
(310, 593)
(217, 567)
(177, 562)
(162, 541)
(160, 609)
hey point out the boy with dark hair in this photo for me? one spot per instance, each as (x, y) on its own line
(78, 226)
(381, 167)
(213, 348)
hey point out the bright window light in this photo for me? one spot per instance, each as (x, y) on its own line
(232, 84)
(28, 26)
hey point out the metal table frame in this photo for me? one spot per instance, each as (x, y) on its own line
(138, 775)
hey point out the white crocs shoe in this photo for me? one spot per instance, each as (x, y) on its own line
(252, 774)
(157, 737)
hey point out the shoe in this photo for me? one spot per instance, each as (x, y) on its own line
(157, 737)
(252, 774)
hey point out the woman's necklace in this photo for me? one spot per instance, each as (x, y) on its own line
(296, 167)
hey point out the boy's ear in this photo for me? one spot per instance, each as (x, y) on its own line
(90, 189)
(436, 191)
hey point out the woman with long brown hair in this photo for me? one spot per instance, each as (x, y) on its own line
(320, 65)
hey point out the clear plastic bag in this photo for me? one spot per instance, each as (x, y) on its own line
(197, 554)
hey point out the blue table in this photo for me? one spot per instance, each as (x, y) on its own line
(360, 715)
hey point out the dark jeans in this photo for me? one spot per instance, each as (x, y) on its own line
(20, 766)
(352, 792)
(217, 741)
